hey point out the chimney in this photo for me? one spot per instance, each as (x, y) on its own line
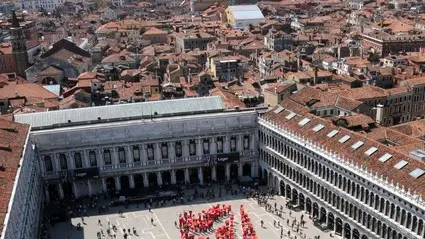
(275, 89)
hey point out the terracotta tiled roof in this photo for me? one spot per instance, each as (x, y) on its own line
(229, 99)
(386, 169)
(12, 141)
(154, 31)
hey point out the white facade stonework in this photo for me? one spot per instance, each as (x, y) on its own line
(145, 153)
(340, 195)
(25, 205)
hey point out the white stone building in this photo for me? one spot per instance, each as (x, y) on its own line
(23, 212)
(128, 152)
(351, 185)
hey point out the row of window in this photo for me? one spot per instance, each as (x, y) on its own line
(336, 179)
(107, 157)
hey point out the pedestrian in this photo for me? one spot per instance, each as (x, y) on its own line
(149, 207)
(274, 223)
(262, 223)
(99, 223)
(152, 221)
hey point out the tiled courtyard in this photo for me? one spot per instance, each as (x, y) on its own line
(165, 217)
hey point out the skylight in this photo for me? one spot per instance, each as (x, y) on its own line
(290, 116)
(357, 145)
(332, 133)
(278, 110)
(416, 173)
(370, 151)
(385, 157)
(304, 121)
(401, 164)
(318, 127)
(344, 138)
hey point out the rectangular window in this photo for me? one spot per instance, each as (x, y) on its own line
(246, 142)
(206, 146)
(233, 144)
(107, 157)
(192, 148)
(150, 152)
(136, 154)
(78, 161)
(164, 151)
(63, 163)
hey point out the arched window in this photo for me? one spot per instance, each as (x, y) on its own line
(164, 150)
(78, 161)
(233, 144)
(107, 157)
(192, 148)
(246, 142)
(92, 159)
(136, 154)
(206, 146)
(121, 155)
(179, 151)
(48, 163)
(63, 162)
(220, 145)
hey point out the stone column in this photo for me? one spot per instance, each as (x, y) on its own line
(86, 161)
(99, 157)
(56, 162)
(240, 169)
(226, 144)
(254, 170)
(70, 160)
(186, 175)
(173, 177)
(61, 195)
(201, 176)
(89, 186)
(227, 171)
(131, 180)
(157, 153)
(159, 178)
(199, 147)
(239, 143)
(117, 183)
(103, 185)
(214, 173)
(213, 145)
(145, 180)
(144, 153)
(185, 149)
(171, 151)
(75, 189)
(114, 156)
(129, 155)
(252, 140)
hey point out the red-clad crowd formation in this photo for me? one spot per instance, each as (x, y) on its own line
(189, 223)
(248, 231)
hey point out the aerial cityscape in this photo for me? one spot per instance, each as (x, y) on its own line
(212, 119)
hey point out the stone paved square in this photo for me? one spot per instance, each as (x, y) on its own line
(165, 217)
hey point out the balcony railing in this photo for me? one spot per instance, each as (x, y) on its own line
(153, 164)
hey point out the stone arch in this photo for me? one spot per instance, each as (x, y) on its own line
(347, 230)
(282, 188)
(308, 206)
(246, 170)
(356, 234)
(124, 182)
(323, 215)
(338, 226)
(138, 181)
(288, 191)
(331, 221)
(315, 210)
(301, 202)
(153, 180)
(180, 176)
(166, 177)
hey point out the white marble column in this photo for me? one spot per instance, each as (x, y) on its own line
(227, 171)
(226, 144)
(173, 177)
(239, 143)
(61, 195)
(159, 178)
(114, 156)
(75, 189)
(144, 153)
(186, 175)
(201, 176)
(131, 180)
(185, 149)
(128, 154)
(157, 153)
(90, 187)
(214, 173)
(56, 162)
(145, 180)
(213, 145)
(117, 183)
(199, 147)
(99, 157)
(171, 151)
(70, 160)
(86, 161)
